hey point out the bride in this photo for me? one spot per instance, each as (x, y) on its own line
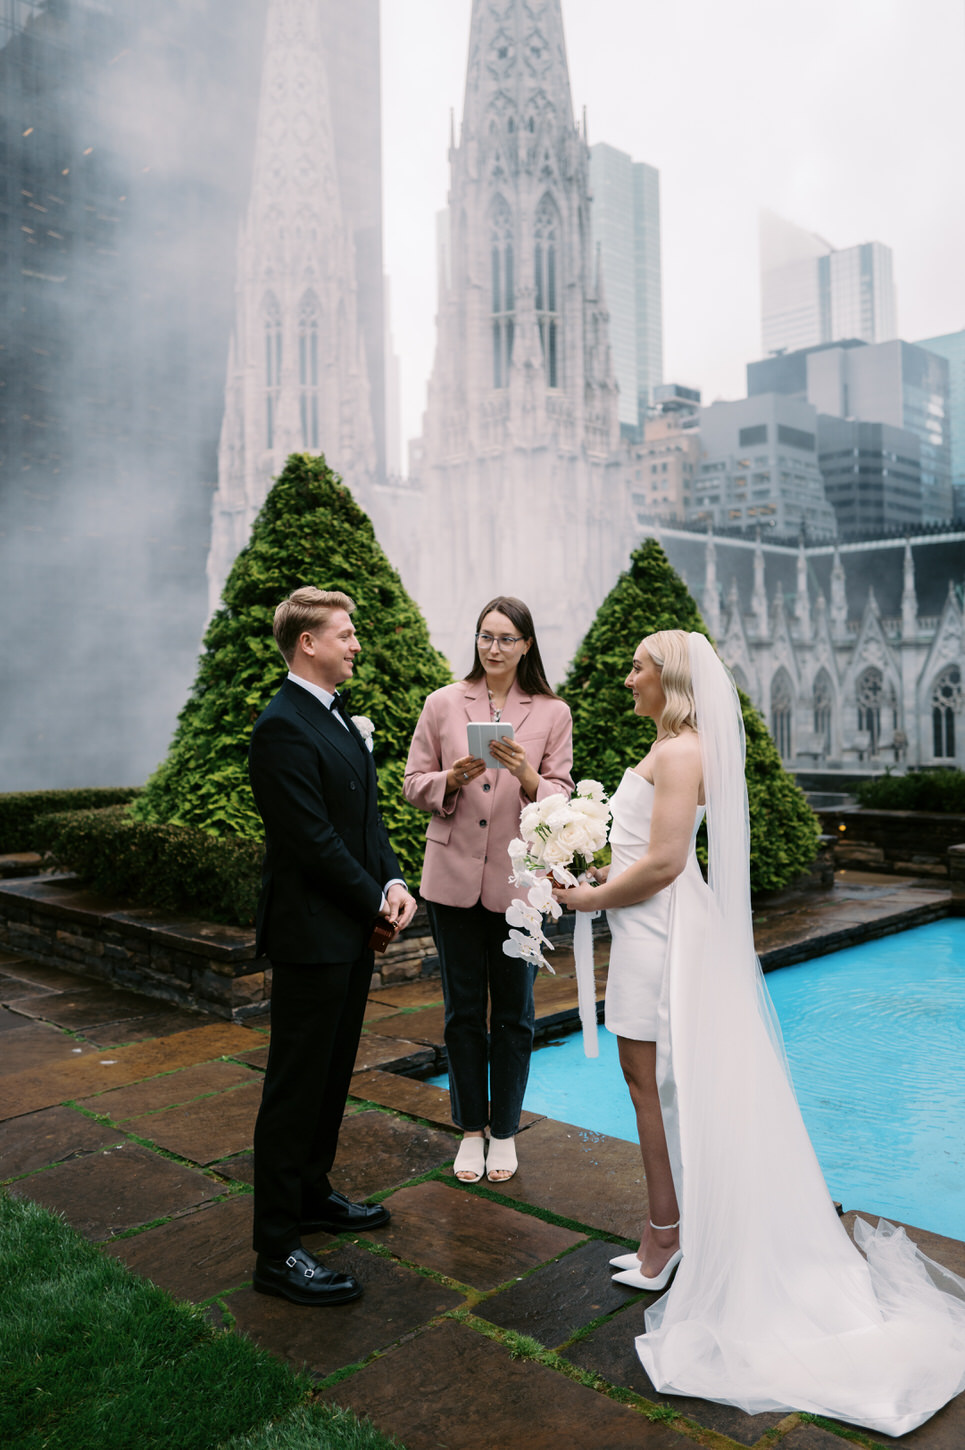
(771, 1306)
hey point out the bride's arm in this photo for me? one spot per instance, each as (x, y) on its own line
(676, 784)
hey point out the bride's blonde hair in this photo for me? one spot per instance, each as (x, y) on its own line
(670, 651)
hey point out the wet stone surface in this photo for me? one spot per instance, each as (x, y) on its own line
(206, 1129)
(198, 1256)
(556, 1301)
(53, 1135)
(582, 1176)
(467, 1237)
(36, 1044)
(376, 1152)
(388, 1052)
(394, 1302)
(168, 1090)
(421, 1394)
(89, 1007)
(108, 1192)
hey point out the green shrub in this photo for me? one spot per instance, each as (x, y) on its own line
(178, 868)
(309, 531)
(20, 809)
(921, 790)
(608, 737)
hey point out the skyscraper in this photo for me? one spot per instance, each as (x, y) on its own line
(813, 293)
(626, 228)
(951, 346)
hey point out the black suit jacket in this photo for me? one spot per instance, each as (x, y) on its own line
(327, 855)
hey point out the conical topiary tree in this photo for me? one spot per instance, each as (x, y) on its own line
(608, 737)
(309, 531)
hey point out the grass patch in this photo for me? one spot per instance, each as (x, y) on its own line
(92, 1356)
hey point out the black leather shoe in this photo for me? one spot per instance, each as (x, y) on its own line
(337, 1214)
(303, 1280)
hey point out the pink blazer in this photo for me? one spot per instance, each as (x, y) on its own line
(466, 839)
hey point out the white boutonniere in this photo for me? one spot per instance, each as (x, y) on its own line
(365, 728)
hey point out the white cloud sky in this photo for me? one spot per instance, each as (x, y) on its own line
(842, 115)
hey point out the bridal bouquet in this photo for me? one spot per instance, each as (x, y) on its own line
(558, 841)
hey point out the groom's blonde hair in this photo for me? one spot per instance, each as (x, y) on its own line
(670, 651)
(306, 608)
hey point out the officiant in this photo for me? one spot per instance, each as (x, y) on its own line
(474, 801)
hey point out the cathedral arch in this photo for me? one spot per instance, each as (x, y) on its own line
(503, 294)
(740, 679)
(822, 704)
(782, 711)
(877, 707)
(947, 701)
(546, 279)
(309, 314)
(271, 322)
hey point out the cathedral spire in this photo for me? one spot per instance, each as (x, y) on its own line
(759, 594)
(297, 377)
(517, 68)
(909, 596)
(802, 602)
(839, 598)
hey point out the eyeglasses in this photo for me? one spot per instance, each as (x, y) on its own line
(505, 641)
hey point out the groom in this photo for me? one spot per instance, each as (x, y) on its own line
(329, 874)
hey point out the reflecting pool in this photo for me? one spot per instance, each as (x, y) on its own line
(875, 1037)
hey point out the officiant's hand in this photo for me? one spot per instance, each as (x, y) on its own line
(513, 756)
(462, 771)
(577, 898)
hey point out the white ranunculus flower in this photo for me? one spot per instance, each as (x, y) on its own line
(556, 853)
(591, 788)
(529, 819)
(593, 809)
(549, 805)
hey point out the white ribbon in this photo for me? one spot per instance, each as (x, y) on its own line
(585, 981)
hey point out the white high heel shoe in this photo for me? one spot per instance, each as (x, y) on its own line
(630, 1265)
(636, 1280)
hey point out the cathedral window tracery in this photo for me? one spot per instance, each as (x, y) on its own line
(947, 701)
(782, 702)
(875, 705)
(272, 367)
(546, 286)
(503, 306)
(308, 371)
(822, 705)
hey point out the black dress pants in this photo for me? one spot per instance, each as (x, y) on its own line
(316, 1022)
(490, 1016)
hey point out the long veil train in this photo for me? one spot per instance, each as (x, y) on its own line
(772, 1308)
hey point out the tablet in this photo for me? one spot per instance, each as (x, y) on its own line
(481, 733)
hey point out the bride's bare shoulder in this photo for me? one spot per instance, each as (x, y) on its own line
(677, 752)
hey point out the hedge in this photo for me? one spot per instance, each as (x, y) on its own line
(177, 868)
(20, 810)
(608, 737)
(310, 531)
(920, 790)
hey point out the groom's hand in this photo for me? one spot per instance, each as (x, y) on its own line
(401, 907)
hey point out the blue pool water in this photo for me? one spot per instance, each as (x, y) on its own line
(875, 1037)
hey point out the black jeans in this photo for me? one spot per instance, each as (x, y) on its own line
(316, 1021)
(488, 1069)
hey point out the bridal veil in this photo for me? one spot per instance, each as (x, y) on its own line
(772, 1308)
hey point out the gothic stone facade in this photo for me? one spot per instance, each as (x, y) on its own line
(855, 654)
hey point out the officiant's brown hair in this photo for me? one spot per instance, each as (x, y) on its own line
(530, 674)
(306, 608)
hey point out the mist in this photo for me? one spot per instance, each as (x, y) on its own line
(126, 139)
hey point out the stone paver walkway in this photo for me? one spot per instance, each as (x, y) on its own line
(134, 1121)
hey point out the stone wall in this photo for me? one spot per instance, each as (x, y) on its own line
(55, 919)
(908, 843)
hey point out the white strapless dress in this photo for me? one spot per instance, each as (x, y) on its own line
(639, 934)
(772, 1308)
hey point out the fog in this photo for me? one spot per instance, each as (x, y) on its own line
(125, 154)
